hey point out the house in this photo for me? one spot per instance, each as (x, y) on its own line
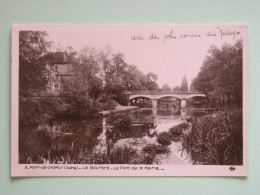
(58, 69)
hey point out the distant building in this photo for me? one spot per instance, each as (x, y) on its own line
(58, 69)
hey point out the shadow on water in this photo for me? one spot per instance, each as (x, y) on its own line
(58, 138)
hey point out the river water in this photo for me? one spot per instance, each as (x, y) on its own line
(58, 138)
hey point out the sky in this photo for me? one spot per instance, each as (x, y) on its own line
(170, 51)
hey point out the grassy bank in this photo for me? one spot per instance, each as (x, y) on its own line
(216, 139)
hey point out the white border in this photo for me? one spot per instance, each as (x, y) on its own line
(18, 170)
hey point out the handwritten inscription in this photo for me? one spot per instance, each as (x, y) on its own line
(137, 38)
(211, 34)
(189, 35)
(172, 35)
(224, 33)
(154, 36)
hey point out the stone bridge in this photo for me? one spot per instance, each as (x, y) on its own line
(156, 96)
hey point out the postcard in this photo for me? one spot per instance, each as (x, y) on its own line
(129, 100)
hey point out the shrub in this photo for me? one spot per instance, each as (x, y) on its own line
(184, 126)
(36, 110)
(149, 153)
(176, 131)
(155, 149)
(164, 139)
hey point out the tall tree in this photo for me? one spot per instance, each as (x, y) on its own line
(184, 84)
(33, 49)
(221, 74)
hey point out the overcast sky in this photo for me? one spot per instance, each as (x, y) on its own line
(170, 58)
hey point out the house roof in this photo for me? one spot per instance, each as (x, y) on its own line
(58, 58)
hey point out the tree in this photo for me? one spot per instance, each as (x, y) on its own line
(184, 84)
(152, 76)
(114, 69)
(88, 69)
(133, 78)
(166, 88)
(176, 89)
(120, 76)
(151, 84)
(221, 75)
(85, 89)
(33, 49)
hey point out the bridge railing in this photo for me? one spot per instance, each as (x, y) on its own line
(155, 92)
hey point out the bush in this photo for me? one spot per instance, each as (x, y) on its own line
(176, 131)
(36, 110)
(164, 139)
(184, 126)
(155, 149)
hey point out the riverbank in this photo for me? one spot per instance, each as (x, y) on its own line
(119, 109)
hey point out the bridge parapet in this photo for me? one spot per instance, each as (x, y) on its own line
(156, 96)
(156, 92)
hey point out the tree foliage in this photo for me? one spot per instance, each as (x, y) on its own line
(221, 75)
(118, 76)
(98, 77)
(184, 84)
(166, 88)
(33, 48)
(176, 89)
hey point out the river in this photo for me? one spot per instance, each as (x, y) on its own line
(59, 138)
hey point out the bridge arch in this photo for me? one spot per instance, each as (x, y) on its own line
(169, 101)
(140, 96)
(140, 100)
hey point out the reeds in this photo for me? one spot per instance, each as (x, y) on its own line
(216, 139)
(122, 155)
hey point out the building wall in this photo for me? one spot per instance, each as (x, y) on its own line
(54, 75)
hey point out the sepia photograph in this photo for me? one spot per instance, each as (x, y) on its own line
(129, 100)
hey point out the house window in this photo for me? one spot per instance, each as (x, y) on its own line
(56, 87)
(56, 76)
(56, 68)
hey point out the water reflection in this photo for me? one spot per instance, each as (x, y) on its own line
(96, 135)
